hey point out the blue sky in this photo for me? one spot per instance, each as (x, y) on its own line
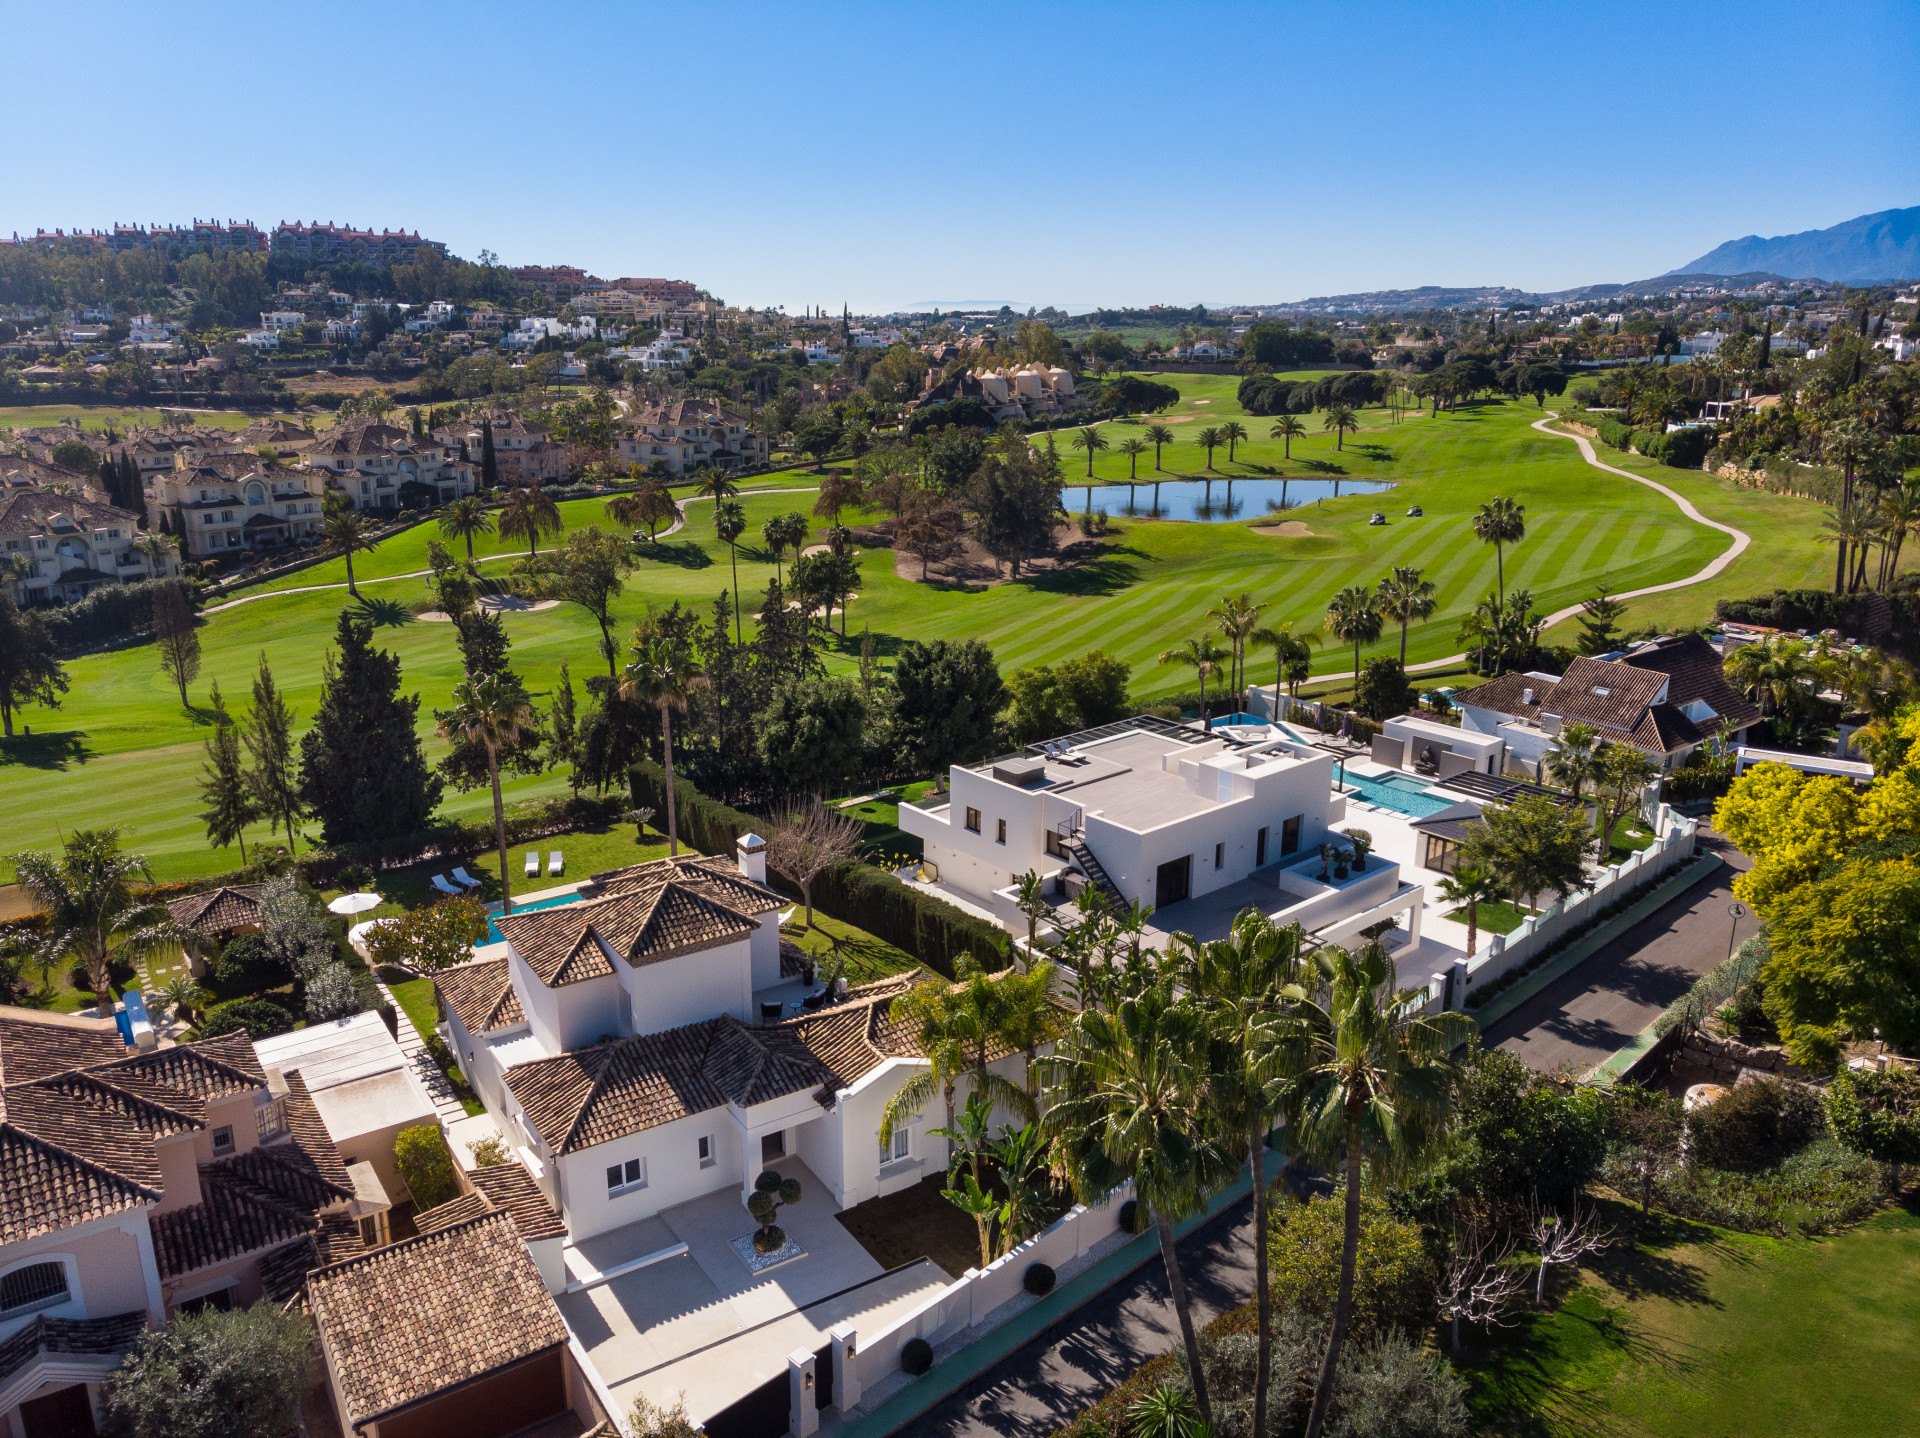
(1071, 154)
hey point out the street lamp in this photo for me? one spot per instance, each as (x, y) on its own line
(1736, 912)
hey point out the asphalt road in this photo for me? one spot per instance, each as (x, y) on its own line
(1046, 1383)
(1587, 1015)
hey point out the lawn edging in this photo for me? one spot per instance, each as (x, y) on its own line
(1588, 944)
(949, 1376)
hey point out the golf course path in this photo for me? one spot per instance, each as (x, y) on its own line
(674, 528)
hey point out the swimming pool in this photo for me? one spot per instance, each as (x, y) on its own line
(1227, 720)
(1399, 793)
(553, 901)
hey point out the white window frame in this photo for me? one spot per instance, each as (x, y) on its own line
(69, 1273)
(633, 1177)
(707, 1156)
(902, 1149)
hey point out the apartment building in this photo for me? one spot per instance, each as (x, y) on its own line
(71, 542)
(226, 503)
(689, 433)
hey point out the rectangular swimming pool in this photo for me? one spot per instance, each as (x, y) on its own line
(552, 901)
(1232, 720)
(1398, 792)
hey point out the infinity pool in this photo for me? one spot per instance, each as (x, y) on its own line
(494, 936)
(1399, 793)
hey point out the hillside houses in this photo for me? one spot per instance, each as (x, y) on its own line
(689, 433)
(69, 539)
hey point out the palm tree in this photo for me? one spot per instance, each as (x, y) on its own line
(1375, 1088)
(1128, 1100)
(1237, 618)
(1232, 432)
(926, 1014)
(714, 483)
(1500, 522)
(343, 530)
(662, 673)
(1850, 444)
(1201, 655)
(1899, 517)
(1132, 447)
(492, 710)
(531, 514)
(1354, 615)
(729, 523)
(1158, 435)
(1570, 759)
(466, 517)
(1030, 898)
(97, 911)
(1092, 441)
(1340, 422)
(1473, 886)
(1209, 439)
(1244, 983)
(1779, 672)
(1407, 595)
(650, 503)
(1855, 529)
(1287, 429)
(1292, 659)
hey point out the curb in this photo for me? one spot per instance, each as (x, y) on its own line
(1584, 947)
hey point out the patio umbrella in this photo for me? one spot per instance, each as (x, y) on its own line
(355, 903)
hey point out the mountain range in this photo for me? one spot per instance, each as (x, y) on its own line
(1869, 249)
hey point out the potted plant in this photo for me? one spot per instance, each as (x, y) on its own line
(770, 1194)
(1362, 843)
(1327, 853)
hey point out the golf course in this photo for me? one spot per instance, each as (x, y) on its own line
(122, 751)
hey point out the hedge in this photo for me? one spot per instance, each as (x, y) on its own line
(1856, 615)
(932, 930)
(1680, 449)
(109, 614)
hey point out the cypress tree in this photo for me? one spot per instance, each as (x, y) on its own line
(362, 772)
(223, 783)
(269, 740)
(489, 465)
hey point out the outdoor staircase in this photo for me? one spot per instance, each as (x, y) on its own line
(1096, 873)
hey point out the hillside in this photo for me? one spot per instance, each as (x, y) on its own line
(1871, 249)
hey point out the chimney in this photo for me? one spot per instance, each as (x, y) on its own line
(1526, 696)
(751, 854)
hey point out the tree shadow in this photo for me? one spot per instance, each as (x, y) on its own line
(383, 613)
(1378, 453)
(1322, 466)
(1107, 574)
(885, 646)
(680, 553)
(57, 749)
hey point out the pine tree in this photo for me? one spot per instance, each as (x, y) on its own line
(223, 783)
(269, 741)
(563, 726)
(362, 772)
(1599, 622)
(483, 643)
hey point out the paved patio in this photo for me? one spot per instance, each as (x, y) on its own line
(701, 1324)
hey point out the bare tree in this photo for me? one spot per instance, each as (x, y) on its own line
(805, 840)
(1562, 1240)
(1479, 1282)
(176, 637)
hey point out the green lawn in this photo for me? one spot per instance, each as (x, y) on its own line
(1495, 917)
(416, 997)
(122, 733)
(861, 956)
(99, 417)
(1700, 1333)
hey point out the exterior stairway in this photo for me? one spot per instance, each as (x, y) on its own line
(1081, 855)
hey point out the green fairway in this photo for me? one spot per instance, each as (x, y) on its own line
(99, 417)
(121, 750)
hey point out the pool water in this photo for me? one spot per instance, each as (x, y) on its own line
(494, 936)
(1225, 720)
(1399, 793)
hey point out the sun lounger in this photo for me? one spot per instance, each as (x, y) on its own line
(533, 863)
(461, 876)
(555, 863)
(440, 883)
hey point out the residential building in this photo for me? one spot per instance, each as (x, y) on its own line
(72, 542)
(261, 339)
(690, 433)
(282, 319)
(146, 330)
(1665, 698)
(236, 501)
(522, 453)
(666, 350)
(1026, 393)
(134, 1185)
(372, 462)
(342, 244)
(557, 283)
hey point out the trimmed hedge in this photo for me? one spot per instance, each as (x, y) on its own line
(1680, 449)
(932, 930)
(110, 614)
(1817, 609)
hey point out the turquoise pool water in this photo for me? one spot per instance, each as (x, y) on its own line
(494, 935)
(1399, 793)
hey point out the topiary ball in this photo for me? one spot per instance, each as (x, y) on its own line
(917, 1356)
(1039, 1279)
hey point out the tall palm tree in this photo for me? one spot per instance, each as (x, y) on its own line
(343, 530)
(1500, 521)
(729, 523)
(714, 483)
(1092, 441)
(1849, 444)
(491, 709)
(1571, 759)
(1132, 447)
(1376, 1083)
(1237, 616)
(926, 1013)
(1473, 886)
(465, 518)
(1287, 429)
(663, 674)
(1856, 529)
(1244, 984)
(1030, 898)
(1292, 657)
(1232, 432)
(1158, 435)
(1209, 439)
(1128, 1099)
(1340, 421)
(1899, 517)
(1354, 615)
(1407, 595)
(1202, 656)
(1779, 671)
(530, 514)
(98, 910)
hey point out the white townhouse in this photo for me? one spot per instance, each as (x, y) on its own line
(70, 543)
(688, 433)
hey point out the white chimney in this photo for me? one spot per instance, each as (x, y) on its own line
(751, 854)
(1526, 696)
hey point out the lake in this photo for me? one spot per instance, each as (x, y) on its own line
(1216, 502)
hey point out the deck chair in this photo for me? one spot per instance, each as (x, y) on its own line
(461, 876)
(533, 864)
(440, 883)
(556, 864)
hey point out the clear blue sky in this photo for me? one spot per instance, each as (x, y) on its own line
(1073, 154)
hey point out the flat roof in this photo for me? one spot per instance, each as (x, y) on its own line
(336, 1052)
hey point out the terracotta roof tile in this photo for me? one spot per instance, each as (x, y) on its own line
(405, 1322)
(481, 996)
(44, 1188)
(256, 1200)
(509, 1186)
(33, 1045)
(86, 1337)
(218, 911)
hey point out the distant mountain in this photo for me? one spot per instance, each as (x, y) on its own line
(1873, 249)
(1441, 297)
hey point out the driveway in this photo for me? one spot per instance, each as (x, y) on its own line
(1043, 1385)
(1589, 1014)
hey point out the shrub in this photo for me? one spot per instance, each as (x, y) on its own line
(1391, 1287)
(1755, 1125)
(916, 1357)
(331, 994)
(489, 1151)
(659, 1420)
(425, 1165)
(1391, 1389)
(247, 963)
(261, 1017)
(1821, 1189)
(240, 1374)
(1038, 1279)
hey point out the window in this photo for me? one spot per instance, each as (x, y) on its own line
(1290, 836)
(1260, 848)
(706, 1151)
(1219, 856)
(223, 1139)
(899, 1147)
(626, 1177)
(999, 831)
(38, 1285)
(270, 1119)
(973, 820)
